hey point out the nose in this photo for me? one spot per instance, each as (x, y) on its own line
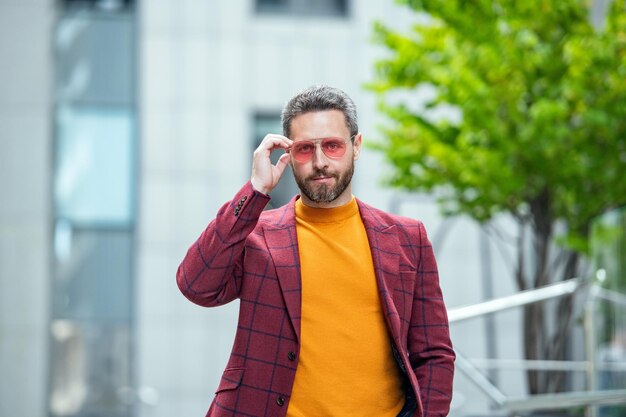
(319, 158)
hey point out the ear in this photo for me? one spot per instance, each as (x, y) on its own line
(357, 145)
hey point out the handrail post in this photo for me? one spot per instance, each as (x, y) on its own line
(590, 348)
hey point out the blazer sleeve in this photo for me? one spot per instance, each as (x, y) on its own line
(430, 349)
(211, 271)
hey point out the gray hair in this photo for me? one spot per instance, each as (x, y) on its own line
(319, 98)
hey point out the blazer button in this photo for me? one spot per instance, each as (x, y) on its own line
(291, 356)
(280, 400)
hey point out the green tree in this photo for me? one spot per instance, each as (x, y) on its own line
(541, 135)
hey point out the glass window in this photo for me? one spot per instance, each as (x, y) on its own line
(265, 123)
(91, 372)
(94, 155)
(95, 59)
(303, 7)
(91, 321)
(93, 280)
(102, 5)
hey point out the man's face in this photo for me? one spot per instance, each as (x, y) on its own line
(324, 181)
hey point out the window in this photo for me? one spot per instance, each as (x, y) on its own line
(265, 123)
(97, 5)
(303, 7)
(93, 274)
(95, 162)
(94, 156)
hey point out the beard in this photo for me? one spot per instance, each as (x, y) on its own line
(325, 193)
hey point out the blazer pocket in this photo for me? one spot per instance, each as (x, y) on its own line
(231, 379)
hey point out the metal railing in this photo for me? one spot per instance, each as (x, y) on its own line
(592, 396)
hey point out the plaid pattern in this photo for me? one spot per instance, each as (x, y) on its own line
(253, 255)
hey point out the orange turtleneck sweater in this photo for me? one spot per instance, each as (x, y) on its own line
(346, 365)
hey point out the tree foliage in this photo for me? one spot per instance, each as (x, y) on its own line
(543, 100)
(541, 135)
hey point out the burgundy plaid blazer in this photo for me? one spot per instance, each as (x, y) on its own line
(252, 255)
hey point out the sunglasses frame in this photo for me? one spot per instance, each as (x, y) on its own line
(320, 141)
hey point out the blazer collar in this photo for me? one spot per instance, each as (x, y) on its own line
(281, 239)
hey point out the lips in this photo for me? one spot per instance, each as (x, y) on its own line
(321, 176)
(321, 179)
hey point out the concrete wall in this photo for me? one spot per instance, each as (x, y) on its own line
(25, 166)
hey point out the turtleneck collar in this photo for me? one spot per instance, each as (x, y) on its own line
(326, 215)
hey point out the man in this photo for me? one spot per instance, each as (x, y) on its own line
(341, 313)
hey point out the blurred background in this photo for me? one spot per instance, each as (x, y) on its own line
(125, 125)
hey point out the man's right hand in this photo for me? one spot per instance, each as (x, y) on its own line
(265, 175)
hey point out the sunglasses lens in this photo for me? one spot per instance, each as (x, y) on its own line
(304, 150)
(334, 147)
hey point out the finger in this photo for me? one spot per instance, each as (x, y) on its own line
(273, 141)
(277, 136)
(282, 163)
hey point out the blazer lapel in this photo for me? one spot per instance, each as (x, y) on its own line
(385, 248)
(282, 243)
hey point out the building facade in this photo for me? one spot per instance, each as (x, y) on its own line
(126, 125)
